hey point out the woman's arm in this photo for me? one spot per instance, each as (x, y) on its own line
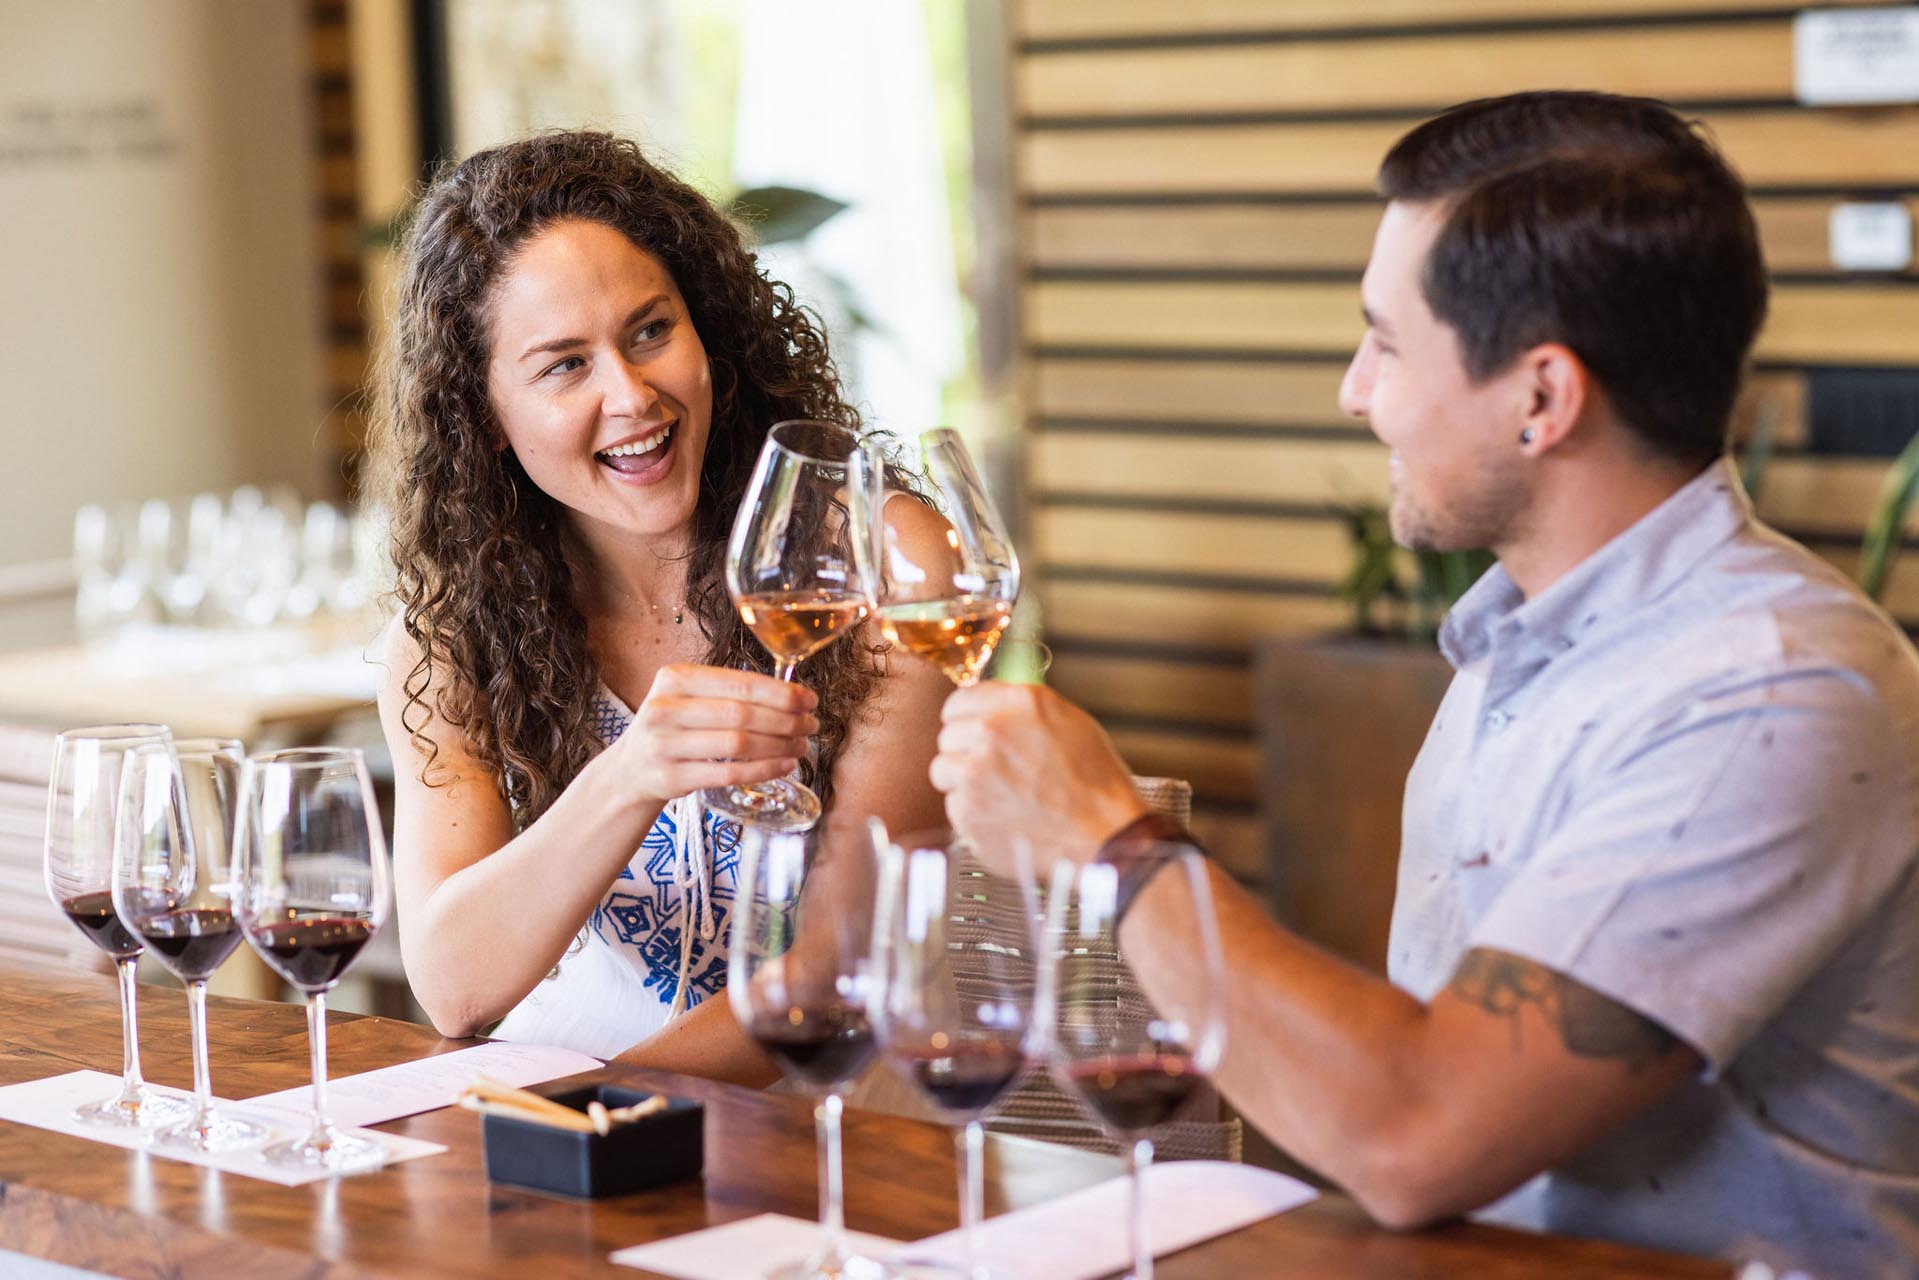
(485, 914)
(881, 772)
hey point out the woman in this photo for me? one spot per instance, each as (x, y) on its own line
(582, 366)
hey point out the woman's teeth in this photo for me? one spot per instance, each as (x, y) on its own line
(639, 447)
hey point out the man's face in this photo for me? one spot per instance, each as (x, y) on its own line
(1458, 482)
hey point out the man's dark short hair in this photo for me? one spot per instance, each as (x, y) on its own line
(1605, 223)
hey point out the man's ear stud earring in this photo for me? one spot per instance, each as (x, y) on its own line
(1526, 436)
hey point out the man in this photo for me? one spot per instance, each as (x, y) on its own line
(1655, 952)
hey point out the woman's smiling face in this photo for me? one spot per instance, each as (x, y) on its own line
(598, 381)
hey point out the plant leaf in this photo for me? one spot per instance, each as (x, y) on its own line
(1888, 521)
(778, 214)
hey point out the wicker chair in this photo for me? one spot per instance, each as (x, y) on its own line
(1038, 1107)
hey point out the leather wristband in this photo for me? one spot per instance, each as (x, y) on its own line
(1136, 852)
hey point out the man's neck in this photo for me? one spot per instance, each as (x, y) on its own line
(1580, 505)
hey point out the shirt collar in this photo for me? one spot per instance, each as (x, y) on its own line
(1634, 569)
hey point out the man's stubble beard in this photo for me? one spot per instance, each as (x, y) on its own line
(1487, 517)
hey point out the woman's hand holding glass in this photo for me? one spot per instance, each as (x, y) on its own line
(702, 727)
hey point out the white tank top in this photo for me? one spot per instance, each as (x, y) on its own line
(655, 944)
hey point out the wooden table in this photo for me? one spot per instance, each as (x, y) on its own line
(274, 689)
(128, 1214)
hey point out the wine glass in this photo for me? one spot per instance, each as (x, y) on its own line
(83, 800)
(955, 961)
(948, 599)
(313, 890)
(798, 565)
(173, 887)
(798, 981)
(1134, 1040)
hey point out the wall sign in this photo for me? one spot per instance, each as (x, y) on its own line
(1871, 236)
(1850, 56)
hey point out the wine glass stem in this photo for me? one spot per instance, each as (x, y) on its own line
(202, 1073)
(786, 669)
(316, 1039)
(1136, 1220)
(826, 1116)
(130, 1082)
(971, 1142)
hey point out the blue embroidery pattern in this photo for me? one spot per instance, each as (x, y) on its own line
(643, 915)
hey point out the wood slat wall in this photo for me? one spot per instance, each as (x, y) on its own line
(337, 228)
(1196, 207)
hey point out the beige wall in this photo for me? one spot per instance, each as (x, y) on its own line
(160, 327)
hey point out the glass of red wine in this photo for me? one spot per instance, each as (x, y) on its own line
(955, 961)
(314, 889)
(173, 887)
(798, 980)
(1134, 1038)
(799, 567)
(83, 800)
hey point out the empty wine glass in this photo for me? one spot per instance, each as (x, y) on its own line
(314, 889)
(83, 801)
(173, 887)
(1135, 1041)
(955, 962)
(949, 597)
(798, 980)
(798, 565)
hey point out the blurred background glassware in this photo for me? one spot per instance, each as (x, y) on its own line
(83, 801)
(799, 568)
(173, 887)
(949, 600)
(799, 978)
(1134, 1049)
(112, 582)
(955, 962)
(314, 887)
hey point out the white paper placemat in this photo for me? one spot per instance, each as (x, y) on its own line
(743, 1250)
(1084, 1234)
(1075, 1237)
(49, 1104)
(427, 1084)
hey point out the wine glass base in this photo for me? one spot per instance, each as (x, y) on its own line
(824, 1266)
(211, 1132)
(145, 1110)
(912, 1267)
(779, 805)
(343, 1153)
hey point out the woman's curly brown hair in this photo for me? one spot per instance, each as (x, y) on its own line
(486, 589)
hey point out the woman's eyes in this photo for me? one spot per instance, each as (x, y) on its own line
(651, 331)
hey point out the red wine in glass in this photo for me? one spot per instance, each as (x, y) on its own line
(311, 950)
(82, 830)
(314, 889)
(965, 1080)
(1137, 1092)
(1134, 1050)
(173, 887)
(192, 942)
(93, 915)
(955, 954)
(823, 1047)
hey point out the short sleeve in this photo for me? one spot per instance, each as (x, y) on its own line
(1735, 842)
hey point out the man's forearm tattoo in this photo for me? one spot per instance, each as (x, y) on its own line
(1591, 1025)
